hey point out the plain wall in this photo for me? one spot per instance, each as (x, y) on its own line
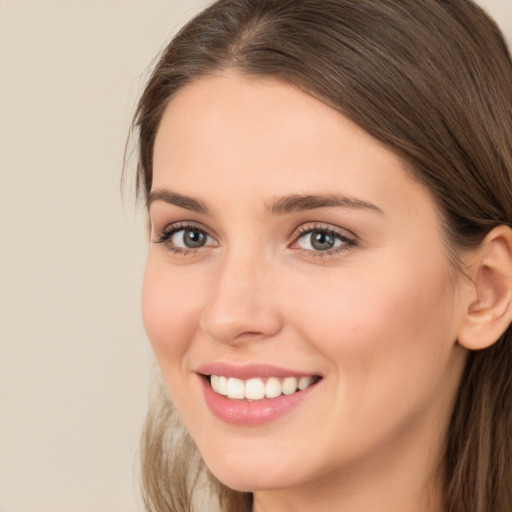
(74, 361)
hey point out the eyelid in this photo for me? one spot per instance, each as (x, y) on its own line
(169, 230)
(322, 226)
(348, 238)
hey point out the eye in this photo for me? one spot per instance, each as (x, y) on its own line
(185, 238)
(322, 240)
(191, 238)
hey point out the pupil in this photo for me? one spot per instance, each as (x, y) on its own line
(194, 239)
(322, 241)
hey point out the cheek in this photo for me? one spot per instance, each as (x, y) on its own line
(355, 307)
(170, 311)
(388, 335)
(384, 328)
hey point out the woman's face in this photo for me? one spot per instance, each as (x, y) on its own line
(289, 249)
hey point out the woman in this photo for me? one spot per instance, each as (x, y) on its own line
(329, 280)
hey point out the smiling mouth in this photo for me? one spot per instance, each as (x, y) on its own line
(258, 389)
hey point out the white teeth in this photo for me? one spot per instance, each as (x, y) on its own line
(257, 389)
(305, 382)
(223, 385)
(289, 385)
(219, 384)
(214, 382)
(236, 388)
(254, 389)
(272, 388)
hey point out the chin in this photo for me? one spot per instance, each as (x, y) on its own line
(249, 475)
(252, 480)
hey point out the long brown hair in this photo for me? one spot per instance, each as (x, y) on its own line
(432, 79)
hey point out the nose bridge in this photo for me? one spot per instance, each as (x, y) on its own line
(241, 303)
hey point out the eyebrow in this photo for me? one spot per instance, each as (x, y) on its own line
(188, 203)
(297, 202)
(279, 206)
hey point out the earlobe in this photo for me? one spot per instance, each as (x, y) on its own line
(489, 310)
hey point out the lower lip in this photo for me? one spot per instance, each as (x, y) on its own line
(257, 412)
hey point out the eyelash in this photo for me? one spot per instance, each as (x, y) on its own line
(165, 236)
(347, 240)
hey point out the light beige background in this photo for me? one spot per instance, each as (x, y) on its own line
(74, 362)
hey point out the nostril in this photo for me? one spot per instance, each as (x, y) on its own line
(250, 334)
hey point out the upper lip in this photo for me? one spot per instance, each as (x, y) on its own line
(249, 371)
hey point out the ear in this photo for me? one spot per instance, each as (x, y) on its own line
(489, 308)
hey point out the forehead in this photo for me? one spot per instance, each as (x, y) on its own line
(243, 137)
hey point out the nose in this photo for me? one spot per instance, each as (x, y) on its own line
(243, 303)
